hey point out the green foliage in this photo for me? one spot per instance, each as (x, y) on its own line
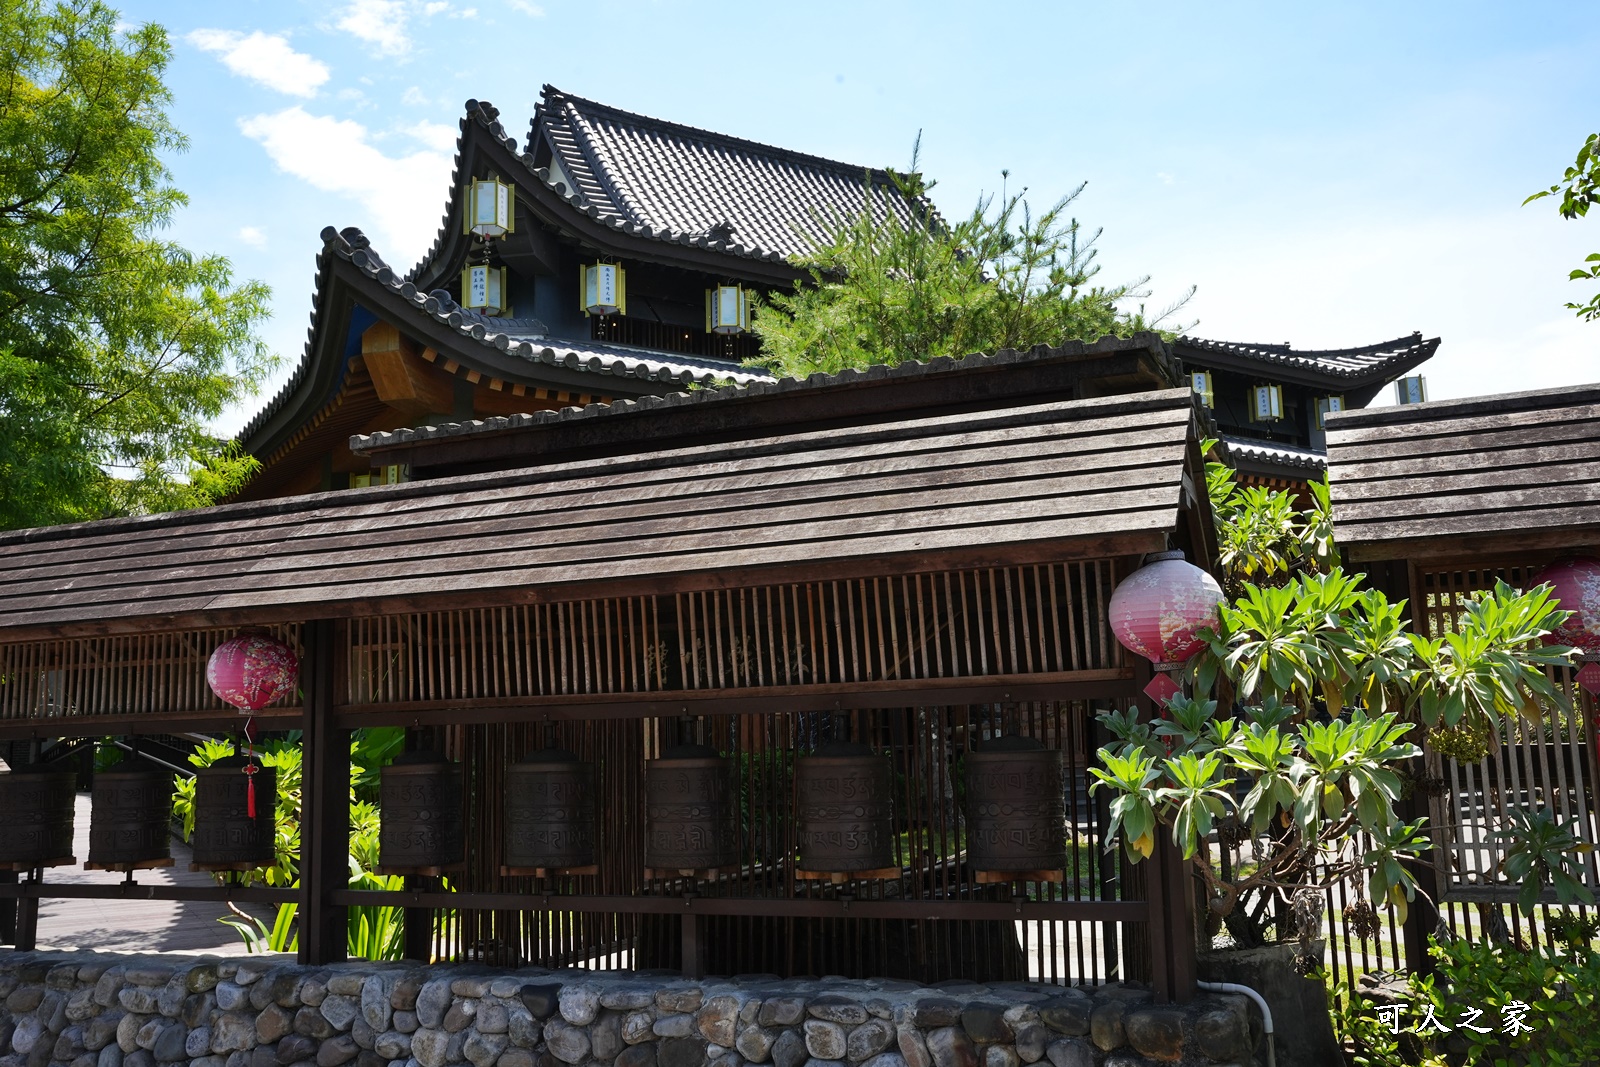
(116, 346)
(1540, 851)
(1479, 988)
(882, 290)
(374, 932)
(1330, 685)
(1265, 535)
(1579, 187)
(1314, 786)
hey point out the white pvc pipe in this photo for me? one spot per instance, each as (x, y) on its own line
(1261, 1002)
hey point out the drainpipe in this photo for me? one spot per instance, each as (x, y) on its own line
(1261, 1002)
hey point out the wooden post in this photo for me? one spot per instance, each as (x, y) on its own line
(694, 963)
(1170, 893)
(418, 924)
(325, 801)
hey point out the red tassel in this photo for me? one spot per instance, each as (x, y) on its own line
(250, 798)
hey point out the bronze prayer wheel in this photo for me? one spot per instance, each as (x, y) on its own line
(688, 810)
(550, 811)
(1016, 807)
(130, 821)
(226, 838)
(36, 809)
(419, 796)
(846, 809)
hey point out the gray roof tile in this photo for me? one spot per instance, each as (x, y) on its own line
(1339, 362)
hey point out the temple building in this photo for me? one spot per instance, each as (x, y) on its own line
(615, 256)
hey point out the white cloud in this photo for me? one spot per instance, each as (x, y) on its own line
(264, 58)
(253, 236)
(532, 10)
(400, 196)
(415, 97)
(435, 135)
(380, 23)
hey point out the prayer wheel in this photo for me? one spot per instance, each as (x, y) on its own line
(226, 838)
(130, 822)
(688, 810)
(846, 811)
(420, 796)
(1016, 807)
(550, 811)
(36, 815)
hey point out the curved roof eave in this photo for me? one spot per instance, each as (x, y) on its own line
(349, 273)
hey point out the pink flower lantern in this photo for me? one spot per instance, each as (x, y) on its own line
(1158, 612)
(1576, 584)
(252, 670)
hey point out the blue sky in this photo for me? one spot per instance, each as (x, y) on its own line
(1326, 175)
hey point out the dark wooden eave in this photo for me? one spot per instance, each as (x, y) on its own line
(1053, 481)
(851, 398)
(349, 273)
(1492, 475)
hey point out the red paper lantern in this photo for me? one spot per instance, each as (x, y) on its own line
(1576, 584)
(252, 670)
(1158, 612)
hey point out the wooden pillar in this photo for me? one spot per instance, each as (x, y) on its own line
(1170, 892)
(694, 962)
(325, 800)
(418, 923)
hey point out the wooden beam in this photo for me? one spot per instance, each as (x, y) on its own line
(580, 707)
(401, 376)
(325, 800)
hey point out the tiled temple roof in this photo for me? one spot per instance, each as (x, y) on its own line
(1388, 358)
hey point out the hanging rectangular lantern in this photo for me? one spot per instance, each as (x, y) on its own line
(1267, 403)
(727, 309)
(489, 211)
(1200, 382)
(1326, 406)
(1412, 390)
(605, 289)
(483, 288)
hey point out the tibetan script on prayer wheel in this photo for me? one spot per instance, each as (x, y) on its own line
(130, 821)
(846, 811)
(550, 811)
(420, 795)
(688, 812)
(226, 838)
(1016, 807)
(36, 815)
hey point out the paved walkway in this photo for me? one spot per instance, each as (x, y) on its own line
(133, 925)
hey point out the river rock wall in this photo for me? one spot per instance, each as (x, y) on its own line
(161, 1011)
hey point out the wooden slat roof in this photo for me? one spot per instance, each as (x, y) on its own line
(1057, 480)
(1453, 477)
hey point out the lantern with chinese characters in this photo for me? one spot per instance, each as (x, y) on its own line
(604, 288)
(1576, 584)
(1158, 612)
(727, 309)
(483, 288)
(490, 209)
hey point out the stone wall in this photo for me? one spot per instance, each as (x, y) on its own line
(155, 1011)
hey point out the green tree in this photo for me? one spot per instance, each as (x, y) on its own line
(1579, 187)
(1328, 689)
(116, 346)
(883, 289)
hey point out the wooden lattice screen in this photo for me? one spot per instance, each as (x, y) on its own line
(966, 624)
(133, 674)
(1549, 763)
